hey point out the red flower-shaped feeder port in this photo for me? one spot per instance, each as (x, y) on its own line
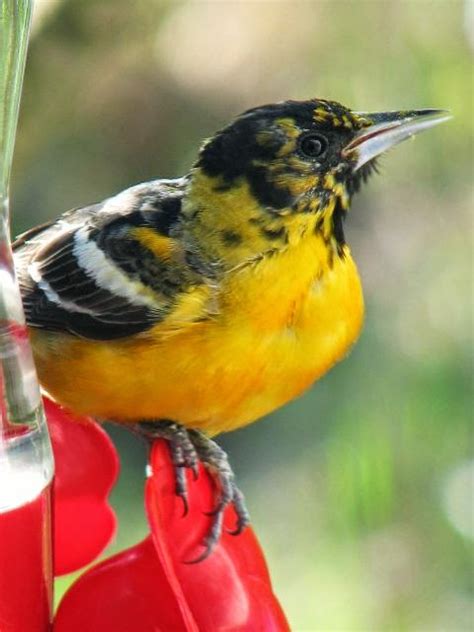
(86, 468)
(150, 587)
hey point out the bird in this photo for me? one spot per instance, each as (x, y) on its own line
(189, 307)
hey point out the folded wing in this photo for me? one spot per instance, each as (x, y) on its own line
(107, 271)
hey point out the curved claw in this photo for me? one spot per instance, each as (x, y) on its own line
(238, 529)
(195, 471)
(221, 505)
(189, 448)
(184, 498)
(211, 540)
(243, 517)
(200, 558)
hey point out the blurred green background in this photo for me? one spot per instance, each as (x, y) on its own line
(360, 490)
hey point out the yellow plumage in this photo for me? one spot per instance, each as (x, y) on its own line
(283, 322)
(195, 306)
(214, 299)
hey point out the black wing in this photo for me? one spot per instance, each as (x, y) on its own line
(86, 274)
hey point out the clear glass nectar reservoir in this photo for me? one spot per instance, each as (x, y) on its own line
(26, 461)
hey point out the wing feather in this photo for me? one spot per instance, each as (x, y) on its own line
(86, 274)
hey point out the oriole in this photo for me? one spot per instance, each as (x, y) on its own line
(203, 303)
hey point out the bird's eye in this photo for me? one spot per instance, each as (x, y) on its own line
(313, 145)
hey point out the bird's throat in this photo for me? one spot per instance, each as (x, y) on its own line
(228, 227)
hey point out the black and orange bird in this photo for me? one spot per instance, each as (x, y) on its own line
(194, 306)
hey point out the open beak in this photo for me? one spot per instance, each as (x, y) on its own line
(387, 129)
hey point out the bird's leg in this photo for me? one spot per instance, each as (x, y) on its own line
(188, 448)
(213, 457)
(183, 453)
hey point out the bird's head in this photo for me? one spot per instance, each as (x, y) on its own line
(290, 165)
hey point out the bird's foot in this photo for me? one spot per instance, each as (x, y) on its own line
(189, 448)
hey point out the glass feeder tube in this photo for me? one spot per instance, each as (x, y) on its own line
(26, 462)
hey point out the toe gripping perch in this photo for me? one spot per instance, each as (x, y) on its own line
(188, 448)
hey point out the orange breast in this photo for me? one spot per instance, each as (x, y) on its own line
(282, 323)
